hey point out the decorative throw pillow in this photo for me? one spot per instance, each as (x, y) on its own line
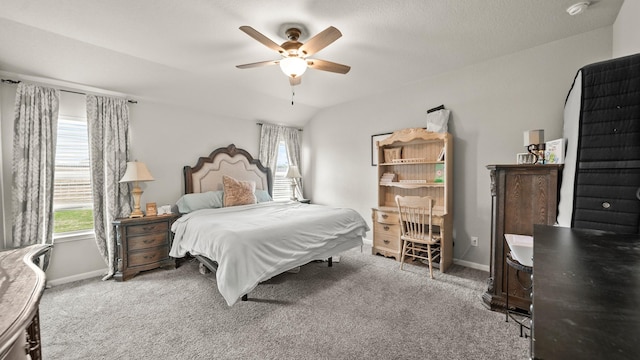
(238, 192)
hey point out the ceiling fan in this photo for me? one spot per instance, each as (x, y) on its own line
(295, 54)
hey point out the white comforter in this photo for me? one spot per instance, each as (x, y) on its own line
(253, 243)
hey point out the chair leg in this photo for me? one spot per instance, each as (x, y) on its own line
(404, 249)
(430, 264)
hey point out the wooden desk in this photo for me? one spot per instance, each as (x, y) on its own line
(21, 286)
(586, 294)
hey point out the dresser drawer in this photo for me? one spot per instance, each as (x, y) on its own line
(148, 228)
(388, 230)
(148, 256)
(147, 241)
(389, 242)
(387, 217)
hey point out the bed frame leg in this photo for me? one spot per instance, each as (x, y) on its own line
(330, 261)
(245, 297)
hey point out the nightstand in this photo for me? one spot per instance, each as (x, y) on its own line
(143, 244)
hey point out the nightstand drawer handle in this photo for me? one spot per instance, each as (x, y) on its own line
(384, 216)
(386, 228)
(147, 228)
(386, 241)
(150, 257)
(147, 241)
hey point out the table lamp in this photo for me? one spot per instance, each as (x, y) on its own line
(534, 142)
(293, 173)
(136, 172)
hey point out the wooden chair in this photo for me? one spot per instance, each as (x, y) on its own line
(416, 230)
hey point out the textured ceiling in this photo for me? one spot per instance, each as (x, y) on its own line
(185, 52)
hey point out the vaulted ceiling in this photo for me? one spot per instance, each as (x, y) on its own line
(185, 52)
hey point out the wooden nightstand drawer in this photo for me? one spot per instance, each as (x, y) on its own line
(147, 241)
(147, 228)
(145, 257)
(386, 217)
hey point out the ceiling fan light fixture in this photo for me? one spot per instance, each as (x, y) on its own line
(578, 8)
(293, 66)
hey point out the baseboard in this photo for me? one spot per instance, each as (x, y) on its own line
(77, 277)
(367, 241)
(471, 265)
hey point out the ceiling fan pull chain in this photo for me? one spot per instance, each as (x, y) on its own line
(293, 93)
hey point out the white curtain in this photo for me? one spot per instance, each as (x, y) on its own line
(291, 139)
(108, 122)
(270, 137)
(34, 147)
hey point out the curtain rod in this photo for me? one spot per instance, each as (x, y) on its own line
(9, 81)
(260, 124)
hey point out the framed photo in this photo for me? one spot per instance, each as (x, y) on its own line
(152, 209)
(374, 149)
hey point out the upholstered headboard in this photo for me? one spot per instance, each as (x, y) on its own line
(207, 174)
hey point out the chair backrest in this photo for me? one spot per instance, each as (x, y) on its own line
(416, 217)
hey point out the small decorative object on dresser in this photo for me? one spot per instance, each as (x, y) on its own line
(143, 244)
(152, 209)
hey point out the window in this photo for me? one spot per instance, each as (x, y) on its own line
(72, 199)
(282, 185)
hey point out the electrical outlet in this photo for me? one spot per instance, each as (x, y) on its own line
(474, 241)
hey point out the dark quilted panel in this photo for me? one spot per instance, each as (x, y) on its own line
(608, 174)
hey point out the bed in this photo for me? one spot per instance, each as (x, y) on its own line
(249, 243)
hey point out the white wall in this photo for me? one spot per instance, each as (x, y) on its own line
(626, 30)
(492, 104)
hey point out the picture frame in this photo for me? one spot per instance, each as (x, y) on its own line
(152, 209)
(374, 149)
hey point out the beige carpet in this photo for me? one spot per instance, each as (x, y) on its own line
(363, 307)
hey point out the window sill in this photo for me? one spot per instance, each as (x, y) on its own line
(74, 236)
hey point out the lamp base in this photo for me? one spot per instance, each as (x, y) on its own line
(136, 214)
(137, 193)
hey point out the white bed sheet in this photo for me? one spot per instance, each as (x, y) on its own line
(253, 243)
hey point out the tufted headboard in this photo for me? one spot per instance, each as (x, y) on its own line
(207, 174)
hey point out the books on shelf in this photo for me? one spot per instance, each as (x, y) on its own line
(388, 177)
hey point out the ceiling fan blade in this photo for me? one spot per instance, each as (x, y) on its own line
(261, 38)
(295, 80)
(320, 41)
(258, 64)
(328, 66)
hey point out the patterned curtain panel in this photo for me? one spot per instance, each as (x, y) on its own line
(34, 146)
(269, 139)
(108, 122)
(291, 138)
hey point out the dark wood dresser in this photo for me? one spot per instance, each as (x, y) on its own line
(522, 195)
(143, 244)
(21, 286)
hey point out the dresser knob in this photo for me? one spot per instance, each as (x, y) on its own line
(606, 205)
(385, 241)
(386, 228)
(384, 216)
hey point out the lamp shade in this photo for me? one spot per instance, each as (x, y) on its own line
(293, 66)
(293, 172)
(533, 137)
(136, 171)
